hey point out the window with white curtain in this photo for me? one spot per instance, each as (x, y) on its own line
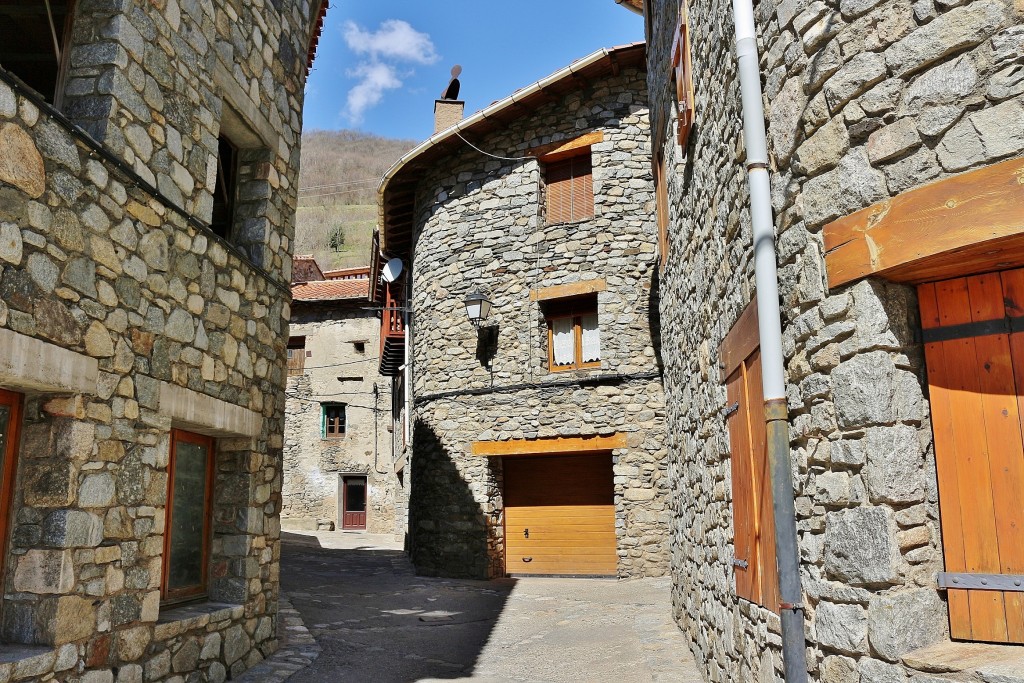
(574, 337)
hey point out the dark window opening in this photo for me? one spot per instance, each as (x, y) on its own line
(360, 347)
(226, 190)
(334, 420)
(34, 36)
(189, 494)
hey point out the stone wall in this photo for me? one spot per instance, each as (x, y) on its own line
(864, 100)
(338, 373)
(128, 319)
(479, 227)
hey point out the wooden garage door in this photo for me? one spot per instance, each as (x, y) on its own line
(560, 515)
(973, 330)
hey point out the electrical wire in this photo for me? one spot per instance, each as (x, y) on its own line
(493, 156)
(346, 182)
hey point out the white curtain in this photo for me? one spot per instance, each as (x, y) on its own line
(591, 338)
(564, 341)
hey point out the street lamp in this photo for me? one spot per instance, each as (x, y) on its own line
(478, 307)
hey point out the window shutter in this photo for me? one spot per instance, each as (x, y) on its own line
(755, 565)
(559, 191)
(582, 188)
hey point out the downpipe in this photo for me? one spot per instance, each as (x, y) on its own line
(791, 609)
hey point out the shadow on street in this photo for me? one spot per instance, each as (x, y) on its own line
(377, 621)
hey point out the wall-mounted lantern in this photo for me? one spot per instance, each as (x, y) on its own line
(478, 307)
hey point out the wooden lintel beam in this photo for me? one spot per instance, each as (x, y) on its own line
(566, 148)
(956, 226)
(741, 341)
(576, 445)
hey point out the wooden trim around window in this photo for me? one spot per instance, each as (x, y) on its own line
(967, 224)
(661, 203)
(566, 148)
(9, 470)
(572, 289)
(575, 444)
(168, 596)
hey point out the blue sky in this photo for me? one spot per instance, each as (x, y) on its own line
(380, 65)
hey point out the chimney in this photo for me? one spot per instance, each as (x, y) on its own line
(448, 110)
(447, 113)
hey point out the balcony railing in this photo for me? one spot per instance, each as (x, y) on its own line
(392, 332)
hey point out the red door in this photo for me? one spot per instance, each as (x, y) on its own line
(353, 514)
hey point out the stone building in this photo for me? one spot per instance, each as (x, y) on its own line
(537, 443)
(148, 167)
(338, 466)
(896, 132)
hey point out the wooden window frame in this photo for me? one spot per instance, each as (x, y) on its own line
(753, 519)
(661, 203)
(571, 158)
(571, 308)
(170, 596)
(682, 75)
(324, 432)
(296, 362)
(15, 403)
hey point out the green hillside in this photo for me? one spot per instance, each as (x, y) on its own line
(338, 194)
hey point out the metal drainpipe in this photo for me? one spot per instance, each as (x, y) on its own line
(770, 332)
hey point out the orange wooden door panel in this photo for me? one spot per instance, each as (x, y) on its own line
(560, 515)
(975, 385)
(753, 517)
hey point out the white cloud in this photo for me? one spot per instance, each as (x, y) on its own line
(395, 40)
(393, 43)
(375, 78)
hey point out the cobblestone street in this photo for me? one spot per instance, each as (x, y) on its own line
(375, 620)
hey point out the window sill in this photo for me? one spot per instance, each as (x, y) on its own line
(18, 661)
(991, 662)
(177, 619)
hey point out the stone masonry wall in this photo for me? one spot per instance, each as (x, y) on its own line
(163, 317)
(479, 227)
(864, 100)
(313, 465)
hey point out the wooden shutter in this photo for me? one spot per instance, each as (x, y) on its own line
(975, 359)
(661, 204)
(755, 566)
(582, 187)
(569, 189)
(559, 191)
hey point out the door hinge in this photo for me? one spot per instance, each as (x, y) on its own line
(981, 582)
(729, 410)
(742, 564)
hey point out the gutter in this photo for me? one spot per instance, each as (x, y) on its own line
(773, 380)
(479, 116)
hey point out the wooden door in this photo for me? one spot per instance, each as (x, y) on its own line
(10, 424)
(353, 503)
(560, 515)
(973, 330)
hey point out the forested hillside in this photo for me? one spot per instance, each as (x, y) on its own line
(338, 194)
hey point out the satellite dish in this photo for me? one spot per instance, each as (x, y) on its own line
(392, 269)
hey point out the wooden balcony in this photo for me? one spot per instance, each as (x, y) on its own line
(392, 332)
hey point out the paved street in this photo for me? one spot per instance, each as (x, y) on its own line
(377, 621)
